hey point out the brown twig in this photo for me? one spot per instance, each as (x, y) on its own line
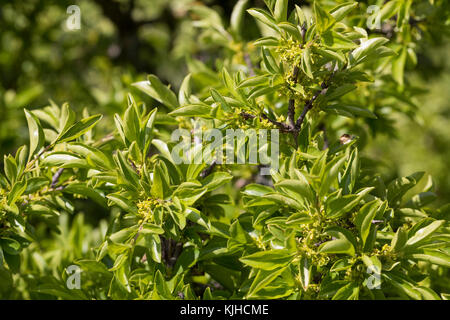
(291, 108)
(309, 104)
(104, 140)
(31, 164)
(208, 170)
(282, 126)
(56, 177)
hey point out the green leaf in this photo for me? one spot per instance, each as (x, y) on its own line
(94, 157)
(344, 244)
(266, 42)
(389, 9)
(220, 100)
(300, 187)
(284, 200)
(123, 203)
(84, 190)
(351, 173)
(331, 54)
(367, 47)
(337, 207)
(158, 91)
(350, 111)
(341, 264)
(263, 279)
(10, 167)
(127, 174)
(433, 256)
(188, 258)
(160, 183)
(424, 233)
(268, 260)
(420, 200)
(402, 284)
(147, 132)
(299, 218)
(123, 235)
(398, 187)
(337, 41)
(237, 17)
(151, 228)
(373, 263)
(131, 124)
(78, 129)
(189, 192)
(364, 217)
(185, 90)
(66, 119)
(153, 243)
(306, 63)
(216, 180)
(300, 16)
(16, 191)
(10, 246)
(281, 10)
(324, 20)
(193, 110)
(347, 292)
(330, 174)
(342, 10)
(270, 63)
(62, 159)
(398, 66)
(36, 133)
(264, 17)
(255, 81)
(305, 268)
(399, 240)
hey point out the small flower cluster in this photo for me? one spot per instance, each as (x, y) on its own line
(309, 244)
(145, 209)
(290, 51)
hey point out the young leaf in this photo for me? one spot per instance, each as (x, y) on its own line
(78, 129)
(268, 260)
(36, 132)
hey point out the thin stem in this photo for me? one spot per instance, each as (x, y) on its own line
(309, 104)
(31, 164)
(56, 177)
(208, 170)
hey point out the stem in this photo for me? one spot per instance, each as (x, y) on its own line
(309, 104)
(56, 177)
(284, 127)
(31, 164)
(208, 170)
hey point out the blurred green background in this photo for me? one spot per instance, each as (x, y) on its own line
(121, 41)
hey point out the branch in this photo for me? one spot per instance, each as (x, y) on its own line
(291, 108)
(282, 126)
(309, 104)
(104, 140)
(208, 170)
(56, 177)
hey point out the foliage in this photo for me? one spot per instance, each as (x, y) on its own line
(324, 226)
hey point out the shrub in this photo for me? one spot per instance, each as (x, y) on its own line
(322, 225)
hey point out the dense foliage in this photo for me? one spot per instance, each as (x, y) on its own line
(325, 225)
